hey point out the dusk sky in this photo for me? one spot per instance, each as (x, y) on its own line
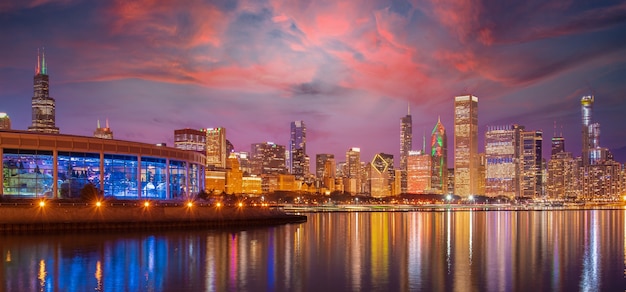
(348, 69)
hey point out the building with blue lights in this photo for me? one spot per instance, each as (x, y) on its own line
(59, 166)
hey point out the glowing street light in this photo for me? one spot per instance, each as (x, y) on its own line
(146, 204)
(42, 203)
(240, 204)
(218, 204)
(189, 204)
(98, 204)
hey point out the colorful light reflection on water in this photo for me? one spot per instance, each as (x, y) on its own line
(397, 251)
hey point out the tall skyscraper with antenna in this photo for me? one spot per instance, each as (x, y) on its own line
(43, 106)
(406, 138)
(558, 142)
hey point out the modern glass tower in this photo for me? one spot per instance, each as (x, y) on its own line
(466, 161)
(439, 155)
(297, 150)
(406, 138)
(43, 106)
(586, 109)
(503, 150)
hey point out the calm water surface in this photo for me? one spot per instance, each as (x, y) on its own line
(401, 251)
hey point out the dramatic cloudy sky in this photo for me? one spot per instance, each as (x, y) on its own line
(347, 68)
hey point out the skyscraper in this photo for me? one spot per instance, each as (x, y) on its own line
(381, 175)
(297, 163)
(216, 148)
(532, 173)
(352, 171)
(43, 106)
(325, 170)
(502, 154)
(439, 155)
(406, 138)
(267, 158)
(419, 174)
(466, 145)
(586, 103)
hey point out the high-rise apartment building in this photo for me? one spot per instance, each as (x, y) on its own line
(406, 140)
(43, 106)
(298, 158)
(586, 103)
(103, 133)
(325, 169)
(267, 158)
(466, 145)
(419, 172)
(5, 122)
(381, 176)
(502, 154)
(216, 153)
(561, 179)
(532, 173)
(352, 171)
(439, 155)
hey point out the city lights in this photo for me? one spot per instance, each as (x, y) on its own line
(42, 203)
(98, 204)
(189, 204)
(146, 204)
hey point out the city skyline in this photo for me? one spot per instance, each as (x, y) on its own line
(348, 78)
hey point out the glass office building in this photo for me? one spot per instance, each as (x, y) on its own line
(59, 166)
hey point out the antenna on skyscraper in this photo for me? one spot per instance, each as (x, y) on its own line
(423, 141)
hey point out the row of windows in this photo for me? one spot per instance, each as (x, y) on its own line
(31, 173)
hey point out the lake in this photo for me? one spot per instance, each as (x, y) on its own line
(555, 250)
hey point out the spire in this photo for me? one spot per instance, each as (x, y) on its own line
(38, 68)
(554, 134)
(98, 124)
(408, 108)
(44, 69)
(423, 142)
(107, 123)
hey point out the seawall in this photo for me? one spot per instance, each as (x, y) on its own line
(55, 217)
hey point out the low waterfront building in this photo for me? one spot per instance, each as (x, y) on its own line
(59, 166)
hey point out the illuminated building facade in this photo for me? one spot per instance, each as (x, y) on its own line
(586, 103)
(5, 122)
(419, 172)
(267, 158)
(325, 170)
(234, 175)
(61, 165)
(381, 176)
(103, 133)
(502, 154)
(532, 172)
(43, 106)
(561, 179)
(298, 160)
(439, 155)
(190, 139)
(216, 152)
(406, 141)
(352, 171)
(466, 145)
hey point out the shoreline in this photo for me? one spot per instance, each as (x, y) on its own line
(54, 218)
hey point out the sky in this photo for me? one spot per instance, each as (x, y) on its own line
(348, 69)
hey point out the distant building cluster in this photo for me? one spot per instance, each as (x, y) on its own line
(511, 166)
